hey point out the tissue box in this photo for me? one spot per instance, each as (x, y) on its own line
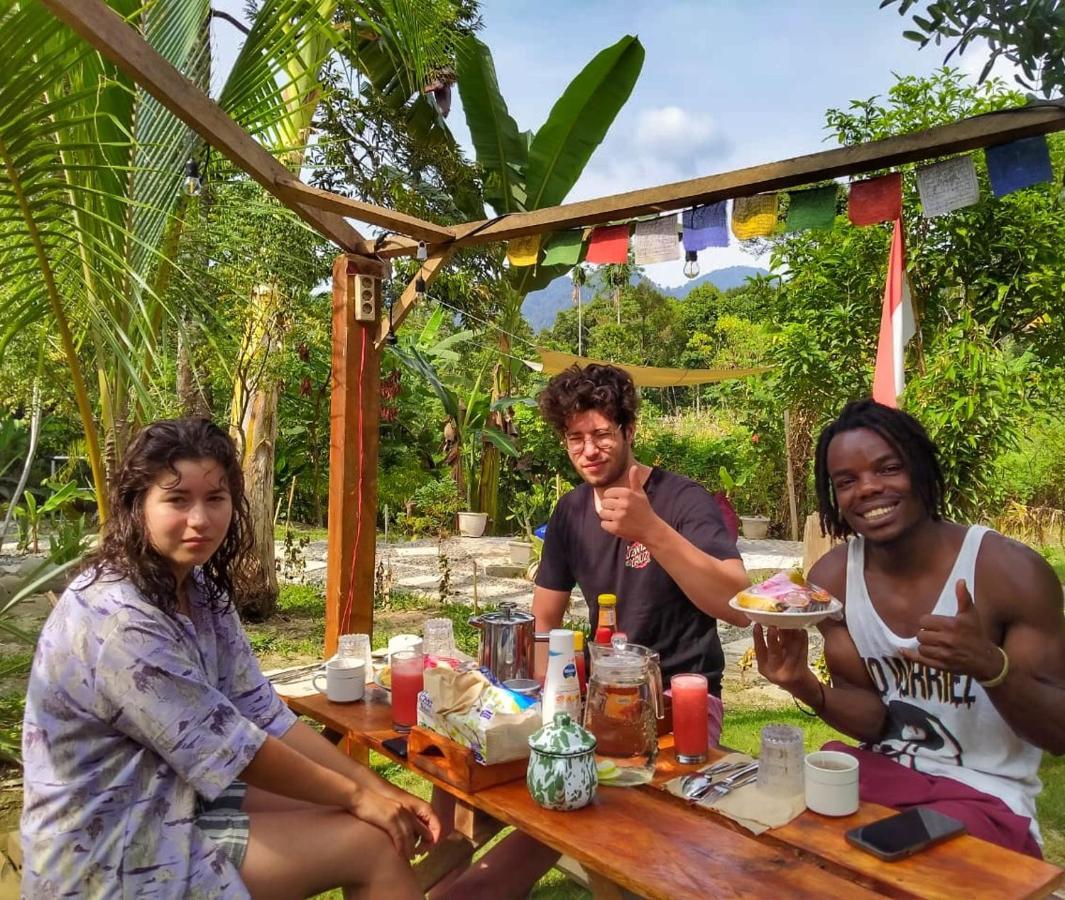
(496, 726)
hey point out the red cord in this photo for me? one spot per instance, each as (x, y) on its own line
(349, 600)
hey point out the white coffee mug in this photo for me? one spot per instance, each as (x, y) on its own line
(345, 679)
(832, 783)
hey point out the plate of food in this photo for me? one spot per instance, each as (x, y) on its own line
(786, 600)
(383, 678)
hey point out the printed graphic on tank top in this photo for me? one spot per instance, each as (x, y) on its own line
(938, 722)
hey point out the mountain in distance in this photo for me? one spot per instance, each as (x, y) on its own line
(541, 307)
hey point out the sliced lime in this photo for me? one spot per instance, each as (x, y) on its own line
(607, 770)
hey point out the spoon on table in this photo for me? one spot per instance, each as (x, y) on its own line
(696, 788)
(708, 773)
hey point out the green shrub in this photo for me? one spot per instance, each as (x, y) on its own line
(699, 448)
(433, 508)
(974, 400)
(1034, 473)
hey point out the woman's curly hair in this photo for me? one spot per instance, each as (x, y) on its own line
(125, 549)
(606, 389)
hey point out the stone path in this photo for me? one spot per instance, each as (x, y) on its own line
(417, 566)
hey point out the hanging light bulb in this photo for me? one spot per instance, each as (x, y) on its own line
(691, 263)
(193, 184)
(423, 251)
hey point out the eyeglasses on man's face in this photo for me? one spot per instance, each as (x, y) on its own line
(601, 438)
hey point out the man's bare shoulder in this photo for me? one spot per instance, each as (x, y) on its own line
(1013, 576)
(830, 572)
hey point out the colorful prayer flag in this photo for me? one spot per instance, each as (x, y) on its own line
(564, 248)
(524, 251)
(875, 200)
(706, 226)
(1018, 165)
(608, 245)
(948, 185)
(896, 326)
(813, 208)
(755, 216)
(656, 241)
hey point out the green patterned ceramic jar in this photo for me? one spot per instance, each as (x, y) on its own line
(561, 771)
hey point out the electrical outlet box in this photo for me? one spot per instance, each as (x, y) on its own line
(367, 298)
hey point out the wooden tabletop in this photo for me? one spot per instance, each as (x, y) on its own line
(657, 846)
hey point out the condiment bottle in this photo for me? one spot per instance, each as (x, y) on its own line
(608, 618)
(578, 658)
(562, 691)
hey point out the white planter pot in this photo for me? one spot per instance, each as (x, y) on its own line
(472, 524)
(520, 552)
(755, 527)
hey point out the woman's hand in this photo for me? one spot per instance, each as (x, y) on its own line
(399, 823)
(782, 656)
(426, 824)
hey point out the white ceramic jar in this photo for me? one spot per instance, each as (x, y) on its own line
(831, 783)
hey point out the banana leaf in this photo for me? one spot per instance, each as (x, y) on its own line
(501, 150)
(579, 121)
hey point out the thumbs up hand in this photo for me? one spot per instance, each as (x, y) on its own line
(957, 643)
(626, 512)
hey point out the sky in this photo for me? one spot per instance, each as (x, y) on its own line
(725, 83)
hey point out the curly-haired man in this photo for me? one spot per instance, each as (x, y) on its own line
(653, 538)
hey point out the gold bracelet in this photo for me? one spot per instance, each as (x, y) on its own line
(1001, 676)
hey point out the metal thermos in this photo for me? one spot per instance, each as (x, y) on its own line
(508, 640)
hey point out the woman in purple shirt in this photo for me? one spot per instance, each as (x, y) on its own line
(159, 762)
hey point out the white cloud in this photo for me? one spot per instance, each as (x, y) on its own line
(677, 134)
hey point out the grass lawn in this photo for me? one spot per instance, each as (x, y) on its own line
(1055, 555)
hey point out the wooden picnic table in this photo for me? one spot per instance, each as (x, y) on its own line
(655, 845)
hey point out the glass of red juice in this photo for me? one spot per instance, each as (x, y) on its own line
(408, 679)
(690, 695)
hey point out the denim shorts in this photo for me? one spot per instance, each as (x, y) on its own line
(224, 822)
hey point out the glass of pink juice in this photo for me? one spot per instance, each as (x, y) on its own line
(408, 668)
(690, 695)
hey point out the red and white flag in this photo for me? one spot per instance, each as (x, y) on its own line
(896, 326)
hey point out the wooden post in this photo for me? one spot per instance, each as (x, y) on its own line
(353, 439)
(793, 506)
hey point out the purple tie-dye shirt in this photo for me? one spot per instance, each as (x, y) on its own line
(130, 713)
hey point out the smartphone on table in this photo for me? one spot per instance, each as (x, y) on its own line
(397, 745)
(902, 835)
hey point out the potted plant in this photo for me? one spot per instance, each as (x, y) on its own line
(754, 526)
(527, 507)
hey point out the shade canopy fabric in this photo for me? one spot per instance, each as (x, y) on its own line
(554, 361)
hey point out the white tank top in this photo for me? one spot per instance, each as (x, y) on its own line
(939, 723)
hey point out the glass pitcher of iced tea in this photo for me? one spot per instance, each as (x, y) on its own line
(624, 703)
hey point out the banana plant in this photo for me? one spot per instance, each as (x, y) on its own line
(527, 170)
(468, 432)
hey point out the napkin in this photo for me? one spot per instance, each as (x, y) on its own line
(453, 691)
(753, 809)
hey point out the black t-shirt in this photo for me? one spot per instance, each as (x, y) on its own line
(652, 609)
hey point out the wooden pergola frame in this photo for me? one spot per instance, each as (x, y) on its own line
(354, 410)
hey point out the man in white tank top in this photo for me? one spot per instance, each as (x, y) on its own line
(949, 665)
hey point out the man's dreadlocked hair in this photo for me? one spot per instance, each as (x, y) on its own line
(906, 436)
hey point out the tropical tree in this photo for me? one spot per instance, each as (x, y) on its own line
(1029, 35)
(528, 170)
(89, 169)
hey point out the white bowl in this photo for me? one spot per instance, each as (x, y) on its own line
(787, 619)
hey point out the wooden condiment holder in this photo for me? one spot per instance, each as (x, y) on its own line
(451, 762)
